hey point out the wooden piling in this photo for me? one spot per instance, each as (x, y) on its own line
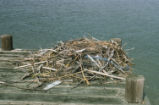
(134, 89)
(6, 42)
(118, 40)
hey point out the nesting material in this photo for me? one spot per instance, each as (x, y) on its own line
(82, 60)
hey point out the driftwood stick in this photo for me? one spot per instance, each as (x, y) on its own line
(105, 74)
(43, 51)
(116, 65)
(30, 64)
(49, 50)
(93, 60)
(1, 82)
(48, 68)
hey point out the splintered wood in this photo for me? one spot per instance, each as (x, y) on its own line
(83, 60)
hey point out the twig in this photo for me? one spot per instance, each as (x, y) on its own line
(83, 74)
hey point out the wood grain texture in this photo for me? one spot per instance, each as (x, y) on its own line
(134, 88)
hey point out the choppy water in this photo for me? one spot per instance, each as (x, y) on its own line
(40, 23)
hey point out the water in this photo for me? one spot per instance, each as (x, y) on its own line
(41, 23)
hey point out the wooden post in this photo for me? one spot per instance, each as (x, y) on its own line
(118, 40)
(134, 89)
(6, 42)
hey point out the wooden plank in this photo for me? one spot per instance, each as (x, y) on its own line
(64, 90)
(41, 103)
(58, 98)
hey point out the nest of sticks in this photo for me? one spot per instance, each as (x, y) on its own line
(81, 60)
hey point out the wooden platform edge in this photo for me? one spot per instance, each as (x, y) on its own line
(11, 102)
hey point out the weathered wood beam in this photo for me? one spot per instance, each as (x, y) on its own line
(134, 88)
(6, 42)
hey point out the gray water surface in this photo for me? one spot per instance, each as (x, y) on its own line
(41, 23)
